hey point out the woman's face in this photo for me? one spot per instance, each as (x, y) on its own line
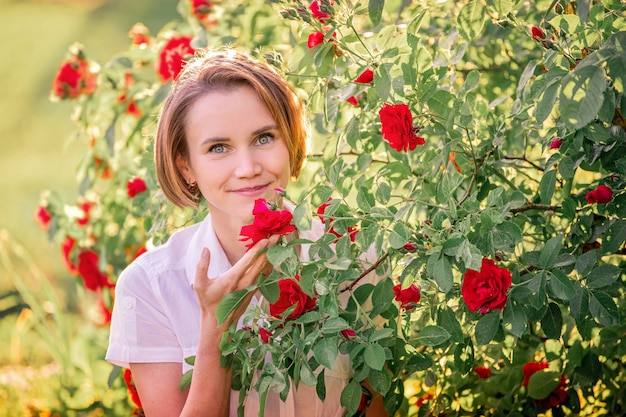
(236, 152)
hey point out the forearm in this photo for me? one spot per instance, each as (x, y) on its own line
(209, 393)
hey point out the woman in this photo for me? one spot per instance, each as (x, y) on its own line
(231, 132)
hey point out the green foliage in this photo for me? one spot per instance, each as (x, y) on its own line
(489, 97)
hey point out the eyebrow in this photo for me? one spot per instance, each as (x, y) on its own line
(225, 139)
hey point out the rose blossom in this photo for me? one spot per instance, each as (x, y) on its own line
(556, 397)
(482, 372)
(366, 77)
(265, 335)
(353, 100)
(172, 57)
(43, 217)
(348, 334)
(352, 230)
(407, 297)
(135, 186)
(291, 295)
(266, 222)
(74, 77)
(601, 195)
(317, 12)
(66, 248)
(397, 127)
(88, 269)
(486, 289)
(556, 143)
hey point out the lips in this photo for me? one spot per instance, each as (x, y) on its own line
(251, 191)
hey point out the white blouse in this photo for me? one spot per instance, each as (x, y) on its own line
(156, 318)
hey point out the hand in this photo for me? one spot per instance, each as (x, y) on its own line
(243, 274)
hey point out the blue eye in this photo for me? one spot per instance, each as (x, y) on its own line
(219, 148)
(265, 138)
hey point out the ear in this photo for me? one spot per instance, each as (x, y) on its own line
(183, 167)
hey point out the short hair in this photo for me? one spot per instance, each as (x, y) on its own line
(210, 71)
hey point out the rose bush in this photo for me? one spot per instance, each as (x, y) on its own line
(515, 242)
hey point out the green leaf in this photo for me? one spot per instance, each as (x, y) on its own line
(375, 9)
(560, 286)
(229, 304)
(547, 186)
(603, 275)
(550, 252)
(306, 375)
(383, 82)
(464, 356)
(582, 93)
(614, 238)
(586, 262)
(326, 351)
(374, 356)
(552, 322)
(380, 380)
(418, 362)
(487, 327)
(542, 383)
(382, 297)
(471, 20)
(603, 309)
(546, 101)
(433, 335)
(351, 396)
(503, 7)
(447, 319)
(440, 270)
(399, 235)
(302, 216)
(334, 325)
(514, 319)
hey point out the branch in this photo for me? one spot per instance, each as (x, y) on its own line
(365, 273)
(523, 158)
(533, 206)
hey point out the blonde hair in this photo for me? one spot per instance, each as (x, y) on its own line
(213, 71)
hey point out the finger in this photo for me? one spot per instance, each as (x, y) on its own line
(243, 264)
(202, 269)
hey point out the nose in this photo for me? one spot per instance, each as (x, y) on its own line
(248, 164)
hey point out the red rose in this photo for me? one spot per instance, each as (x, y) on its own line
(317, 12)
(600, 195)
(407, 297)
(200, 8)
(486, 289)
(135, 186)
(132, 391)
(482, 372)
(66, 248)
(172, 57)
(556, 397)
(366, 77)
(266, 222)
(88, 269)
(353, 100)
(315, 38)
(556, 143)
(348, 334)
(410, 247)
(265, 335)
(397, 127)
(530, 368)
(537, 33)
(43, 217)
(352, 230)
(74, 78)
(291, 295)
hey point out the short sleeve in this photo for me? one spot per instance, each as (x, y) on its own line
(140, 328)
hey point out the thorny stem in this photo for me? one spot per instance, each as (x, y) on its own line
(533, 206)
(525, 159)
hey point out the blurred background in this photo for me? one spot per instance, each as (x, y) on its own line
(37, 152)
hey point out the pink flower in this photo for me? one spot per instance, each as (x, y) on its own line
(556, 143)
(482, 372)
(408, 297)
(366, 77)
(600, 195)
(266, 222)
(486, 289)
(397, 127)
(135, 186)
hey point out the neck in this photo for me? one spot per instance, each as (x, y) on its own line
(227, 232)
